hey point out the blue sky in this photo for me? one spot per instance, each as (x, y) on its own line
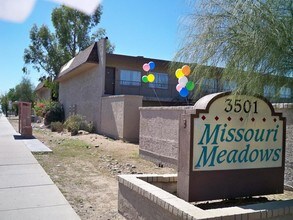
(146, 28)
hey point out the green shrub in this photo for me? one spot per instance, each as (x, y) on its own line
(74, 123)
(91, 127)
(56, 126)
(74, 129)
(54, 112)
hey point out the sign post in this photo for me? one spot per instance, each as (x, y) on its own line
(233, 146)
(24, 123)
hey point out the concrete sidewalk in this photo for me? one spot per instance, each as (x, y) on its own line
(26, 191)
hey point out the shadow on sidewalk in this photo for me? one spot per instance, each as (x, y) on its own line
(21, 137)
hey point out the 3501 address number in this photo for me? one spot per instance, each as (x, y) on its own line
(238, 105)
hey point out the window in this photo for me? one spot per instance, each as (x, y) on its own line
(161, 81)
(229, 86)
(209, 85)
(130, 78)
(285, 92)
(269, 91)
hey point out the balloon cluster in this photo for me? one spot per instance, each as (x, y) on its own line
(147, 67)
(184, 86)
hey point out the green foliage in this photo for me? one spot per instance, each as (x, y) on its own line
(11, 95)
(53, 112)
(4, 103)
(101, 33)
(252, 39)
(53, 86)
(44, 51)
(24, 91)
(40, 108)
(49, 51)
(72, 28)
(71, 148)
(74, 123)
(56, 126)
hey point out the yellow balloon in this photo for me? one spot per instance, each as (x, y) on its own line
(151, 78)
(179, 73)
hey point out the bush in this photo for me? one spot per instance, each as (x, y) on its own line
(39, 108)
(50, 110)
(77, 122)
(56, 126)
(54, 112)
(91, 127)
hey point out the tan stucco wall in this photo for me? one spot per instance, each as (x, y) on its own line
(43, 94)
(85, 89)
(159, 133)
(131, 117)
(81, 91)
(120, 117)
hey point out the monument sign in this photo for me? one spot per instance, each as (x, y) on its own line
(231, 146)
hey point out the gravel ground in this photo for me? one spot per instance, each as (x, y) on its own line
(289, 156)
(88, 181)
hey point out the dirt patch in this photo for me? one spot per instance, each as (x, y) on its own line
(85, 168)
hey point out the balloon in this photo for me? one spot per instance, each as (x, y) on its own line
(145, 79)
(179, 73)
(182, 81)
(151, 78)
(189, 85)
(152, 65)
(183, 92)
(178, 88)
(186, 70)
(146, 67)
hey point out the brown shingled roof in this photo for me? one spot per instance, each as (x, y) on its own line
(89, 55)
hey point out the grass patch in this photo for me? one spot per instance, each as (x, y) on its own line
(72, 148)
(134, 155)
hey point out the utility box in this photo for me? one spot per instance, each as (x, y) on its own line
(24, 123)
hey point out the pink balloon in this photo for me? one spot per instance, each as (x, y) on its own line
(146, 67)
(178, 88)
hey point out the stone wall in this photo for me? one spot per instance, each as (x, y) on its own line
(159, 133)
(120, 117)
